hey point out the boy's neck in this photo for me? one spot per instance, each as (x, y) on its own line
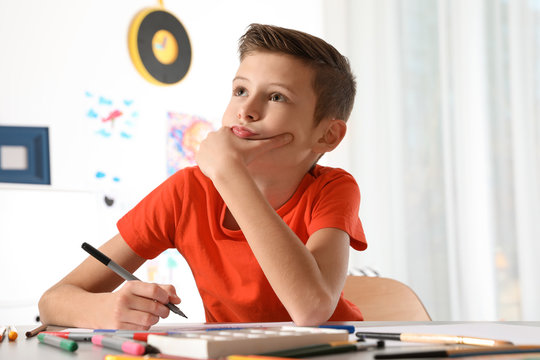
(276, 189)
(279, 186)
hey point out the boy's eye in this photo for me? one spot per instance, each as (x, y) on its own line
(239, 91)
(277, 97)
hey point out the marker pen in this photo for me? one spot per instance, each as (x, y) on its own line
(76, 336)
(65, 344)
(122, 344)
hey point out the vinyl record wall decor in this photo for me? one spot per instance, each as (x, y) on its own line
(159, 46)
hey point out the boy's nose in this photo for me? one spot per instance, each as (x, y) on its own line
(247, 116)
(248, 112)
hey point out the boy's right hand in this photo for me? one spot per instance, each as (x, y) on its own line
(221, 150)
(137, 305)
(86, 297)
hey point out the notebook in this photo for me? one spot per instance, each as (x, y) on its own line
(214, 344)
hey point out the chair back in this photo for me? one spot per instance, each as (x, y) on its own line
(384, 299)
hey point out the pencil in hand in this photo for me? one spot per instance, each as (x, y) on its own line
(126, 275)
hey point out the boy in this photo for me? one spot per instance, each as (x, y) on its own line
(265, 231)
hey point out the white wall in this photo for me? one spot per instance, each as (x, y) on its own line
(56, 51)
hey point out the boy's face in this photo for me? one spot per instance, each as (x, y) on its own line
(273, 94)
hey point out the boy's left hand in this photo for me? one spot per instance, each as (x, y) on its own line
(222, 150)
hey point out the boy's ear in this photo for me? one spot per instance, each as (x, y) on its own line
(333, 132)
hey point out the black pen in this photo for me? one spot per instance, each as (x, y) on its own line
(126, 275)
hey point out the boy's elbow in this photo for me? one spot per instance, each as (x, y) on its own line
(311, 320)
(42, 307)
(46, 305)
(316, 313)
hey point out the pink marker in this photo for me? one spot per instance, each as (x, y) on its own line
(122, 344)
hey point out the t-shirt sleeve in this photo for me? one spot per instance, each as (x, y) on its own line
(337, 206)
(149, 228)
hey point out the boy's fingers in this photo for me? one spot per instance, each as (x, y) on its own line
(147, 306)
(272, 142)
(141, 318)
(149, 291)
(170, 289)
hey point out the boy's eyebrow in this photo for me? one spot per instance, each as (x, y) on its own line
(273, 84)
(240, 78)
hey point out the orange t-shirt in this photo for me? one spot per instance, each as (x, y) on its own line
(186, 212)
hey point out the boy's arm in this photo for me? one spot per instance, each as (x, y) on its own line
(84, 299)
(307, 279)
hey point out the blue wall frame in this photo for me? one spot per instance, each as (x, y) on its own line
(36, 142)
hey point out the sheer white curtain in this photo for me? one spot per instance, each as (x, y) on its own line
(445, 144)
(523, 61)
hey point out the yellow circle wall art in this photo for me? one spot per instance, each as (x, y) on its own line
(165, 47)
(159, 46)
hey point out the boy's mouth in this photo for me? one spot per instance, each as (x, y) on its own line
(242, 132)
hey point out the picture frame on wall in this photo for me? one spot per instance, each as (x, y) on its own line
(24, 155)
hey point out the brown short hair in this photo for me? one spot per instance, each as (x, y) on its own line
(334, 82)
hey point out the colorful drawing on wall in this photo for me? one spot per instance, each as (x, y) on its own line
(185, 134)
(111, 118)
(112, 123)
